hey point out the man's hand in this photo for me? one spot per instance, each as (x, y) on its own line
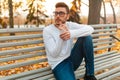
(65, 35)
(62, 27)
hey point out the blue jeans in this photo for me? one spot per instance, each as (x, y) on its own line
(83, 48)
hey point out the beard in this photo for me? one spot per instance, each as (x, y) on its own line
(59, 21)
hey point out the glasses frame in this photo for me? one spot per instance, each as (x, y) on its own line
(60, 13)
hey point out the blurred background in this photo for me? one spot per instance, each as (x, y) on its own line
(38, 13)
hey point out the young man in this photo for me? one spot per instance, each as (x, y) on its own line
(62, 56)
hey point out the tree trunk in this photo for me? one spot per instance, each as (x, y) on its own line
(10, 6)
(104, 18)
(94, 11)
(114, 16)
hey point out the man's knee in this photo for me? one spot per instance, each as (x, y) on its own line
(85, 38)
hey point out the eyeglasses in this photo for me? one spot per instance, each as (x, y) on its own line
(61, 13)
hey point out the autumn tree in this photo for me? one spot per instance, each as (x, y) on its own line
(94, 11)
(36, 12)
(104, 17)
(74, 11)
(111, 2)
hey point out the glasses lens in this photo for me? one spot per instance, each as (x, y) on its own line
(59, 13)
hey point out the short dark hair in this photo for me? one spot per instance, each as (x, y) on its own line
(62, 4)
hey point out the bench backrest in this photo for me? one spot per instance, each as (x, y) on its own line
(24, 53)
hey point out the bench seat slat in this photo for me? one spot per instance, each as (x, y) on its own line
(104, 30)
(110, 72)
(104, 47)
(15, 76)
(21, 43)
(102, 39)
(108, 56)
(16, 51)
(32, 76)
(10, 30)
(21, 57)
(10, 66)
(107, 61)
(112, 76)
(19, 37)
(105, 25)
(105, 54)
(106, 34)
(47, 77)
(100, 43)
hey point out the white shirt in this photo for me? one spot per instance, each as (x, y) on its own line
(57, 49)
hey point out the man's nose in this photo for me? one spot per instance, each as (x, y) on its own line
(58, 15)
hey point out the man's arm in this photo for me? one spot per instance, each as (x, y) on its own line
(79, 30)
(53, 47)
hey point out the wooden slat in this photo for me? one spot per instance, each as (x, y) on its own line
(105, 54)
(106, 61)
(105, 57)
(47, 77)
(12, 77)
(32, 76)
(105, 25)
(102, 39)
(16, 51)
(108, 73)
(101, 43)
(104, 30)
(10, 66)
(21, 57)
(13, 30)
(112, 76)
(104, 47)
(106, 34)
(21, 43)
(19, 37)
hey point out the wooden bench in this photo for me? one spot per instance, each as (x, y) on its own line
(23, 57)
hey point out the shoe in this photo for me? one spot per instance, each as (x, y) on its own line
(89, 77)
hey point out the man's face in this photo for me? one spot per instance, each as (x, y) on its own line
(60, 15)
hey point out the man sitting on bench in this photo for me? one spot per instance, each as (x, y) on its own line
(62, 56)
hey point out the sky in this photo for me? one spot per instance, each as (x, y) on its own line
(50, 4)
